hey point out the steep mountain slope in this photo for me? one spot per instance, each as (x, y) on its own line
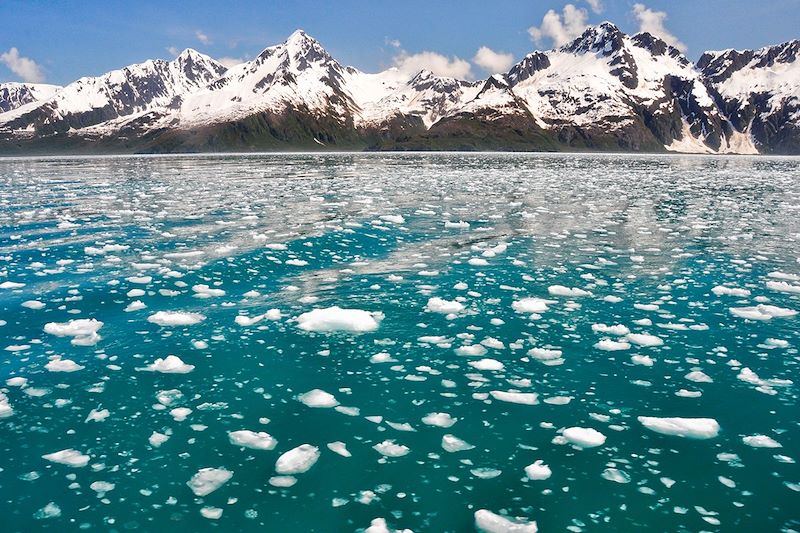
(603, 91)
(14, 95)
(609, 90)
(759, 92)
(134, 89)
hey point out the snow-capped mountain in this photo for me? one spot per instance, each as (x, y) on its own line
(759, 92)
(119, 93)
(14, 95)
(604, 91)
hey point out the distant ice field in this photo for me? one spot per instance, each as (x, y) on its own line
(392, 342)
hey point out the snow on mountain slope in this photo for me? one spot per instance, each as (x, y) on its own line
(133, 89)
(759, 91)
(603, 91)
(606, 79)
(425, 95)
(297, 74)
(14, 95)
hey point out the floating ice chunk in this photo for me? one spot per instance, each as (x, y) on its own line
(175, 318)
(692, 428)
(101, 487)
(57, 364)
(683, 393)
(337, 319)
(487, 364)
(180, 413)
(525, 398)
(485, 472)
(171, 364)
(382, 357)
(207, 480)
(584, 437)
(617, 329)
(97, 415)
(296, 262)
(538, 471)
(719, 290)
(378, 525)
(83, 330)
(472, 350)
(491, 342)
(698, 376)
(212, 513)
(560, 290)
(442, 420)
(68, 457)
(477, 261)
(612, 299)
(762, 312)
(782, 286)
(156, 439)
(51, 510)
(5, 408)
(17, 381)
(609, 345)
(297, 460)
(452, 444)
(456, 225)
(204, 291)
(439, 305)
(761, 441)
(340, 448)
(252, 439)
(531, 305)
(11, 285)
(644, 339)
(615, 475)
(547, 356)
(389, 448)
(489, 522)
(135, 306)
(643, 360)
(394, 219)
(34, 304)
(248, 321)
(318, 398)
(282, 481)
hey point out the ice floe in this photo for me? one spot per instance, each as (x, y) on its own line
(489, 522)
(297, 460)
(207, 480)
(175, 318)
(68, 457)
(335, 318)
(256, 440)
(171, 364)
(692, 428)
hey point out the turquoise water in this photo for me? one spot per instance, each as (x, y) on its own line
(643, 239)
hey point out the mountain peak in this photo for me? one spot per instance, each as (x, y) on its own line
(606, 38)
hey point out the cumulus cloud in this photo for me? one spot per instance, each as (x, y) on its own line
(24, 67)
(595, 5)
(491, 61)
(229, 62)
(202, 37)
(560, 29)
(439, 64)
(653, 22)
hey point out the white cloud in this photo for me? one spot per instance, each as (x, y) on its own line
(560, 29)
(653, 22)
(229, 62)
(24, 67)
(394, 43)
(439, 64)
(173, 51)
(202, 37)
(595, 5)
(491, 61)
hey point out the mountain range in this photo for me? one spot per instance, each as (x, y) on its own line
(604, 91)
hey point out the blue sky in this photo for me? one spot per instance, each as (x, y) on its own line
(58, 41)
